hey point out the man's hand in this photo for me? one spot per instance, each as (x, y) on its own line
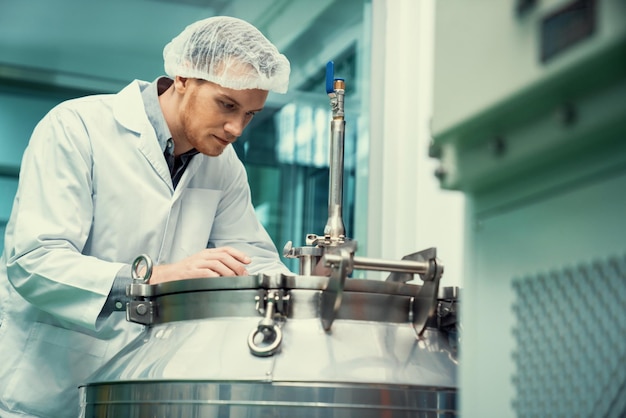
(212, 262)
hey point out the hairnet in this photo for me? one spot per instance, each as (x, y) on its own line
(229, 52)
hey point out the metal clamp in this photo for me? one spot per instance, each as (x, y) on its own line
(424, 303)
(142, 310)
(330, 302)
(308, 256)
(277, 302)
(272, 337)
(136, 268)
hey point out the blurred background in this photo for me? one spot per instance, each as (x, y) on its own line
(54, 50)
(493, 130)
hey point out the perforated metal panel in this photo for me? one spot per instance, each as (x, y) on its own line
(570, 331)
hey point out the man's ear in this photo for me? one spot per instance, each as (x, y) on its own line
(181, 83)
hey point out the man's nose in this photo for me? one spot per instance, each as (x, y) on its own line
(235, 126)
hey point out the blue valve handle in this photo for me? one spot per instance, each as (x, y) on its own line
(330, 77)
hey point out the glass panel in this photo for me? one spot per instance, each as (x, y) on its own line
(287, 154)
(290, 187)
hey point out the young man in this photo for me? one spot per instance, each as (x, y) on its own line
(106, 178)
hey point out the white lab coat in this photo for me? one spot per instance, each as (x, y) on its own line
(95, 192)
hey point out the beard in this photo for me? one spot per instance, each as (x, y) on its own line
(198, 137)
(205, 144)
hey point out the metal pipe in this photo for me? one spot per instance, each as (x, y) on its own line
(400, 266)
(335, 229)
(334, 226)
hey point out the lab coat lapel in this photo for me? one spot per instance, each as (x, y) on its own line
(190, 171)
(130, 112)
(149, 147)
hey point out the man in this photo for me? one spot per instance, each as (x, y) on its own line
(106, 178)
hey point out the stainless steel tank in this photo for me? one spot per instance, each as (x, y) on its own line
(256, 346)
(318, 344)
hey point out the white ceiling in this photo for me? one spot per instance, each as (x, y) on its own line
(101, 45)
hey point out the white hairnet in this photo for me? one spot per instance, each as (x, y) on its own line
(229, 52)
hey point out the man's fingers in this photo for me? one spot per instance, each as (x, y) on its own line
(233, 252)
(225, 262)
(224, 267)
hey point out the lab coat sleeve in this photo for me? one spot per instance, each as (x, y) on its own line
(50, 224)
(236, 224)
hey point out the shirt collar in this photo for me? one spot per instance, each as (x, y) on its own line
(150, 95)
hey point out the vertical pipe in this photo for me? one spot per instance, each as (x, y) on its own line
(335, 230)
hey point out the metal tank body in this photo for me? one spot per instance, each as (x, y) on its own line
(203, 353)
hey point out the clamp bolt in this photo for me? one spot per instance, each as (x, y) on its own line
(141, 309)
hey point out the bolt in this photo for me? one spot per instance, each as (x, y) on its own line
(141, 309)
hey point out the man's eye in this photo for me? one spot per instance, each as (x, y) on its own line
(228, 106)
(250, 114)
